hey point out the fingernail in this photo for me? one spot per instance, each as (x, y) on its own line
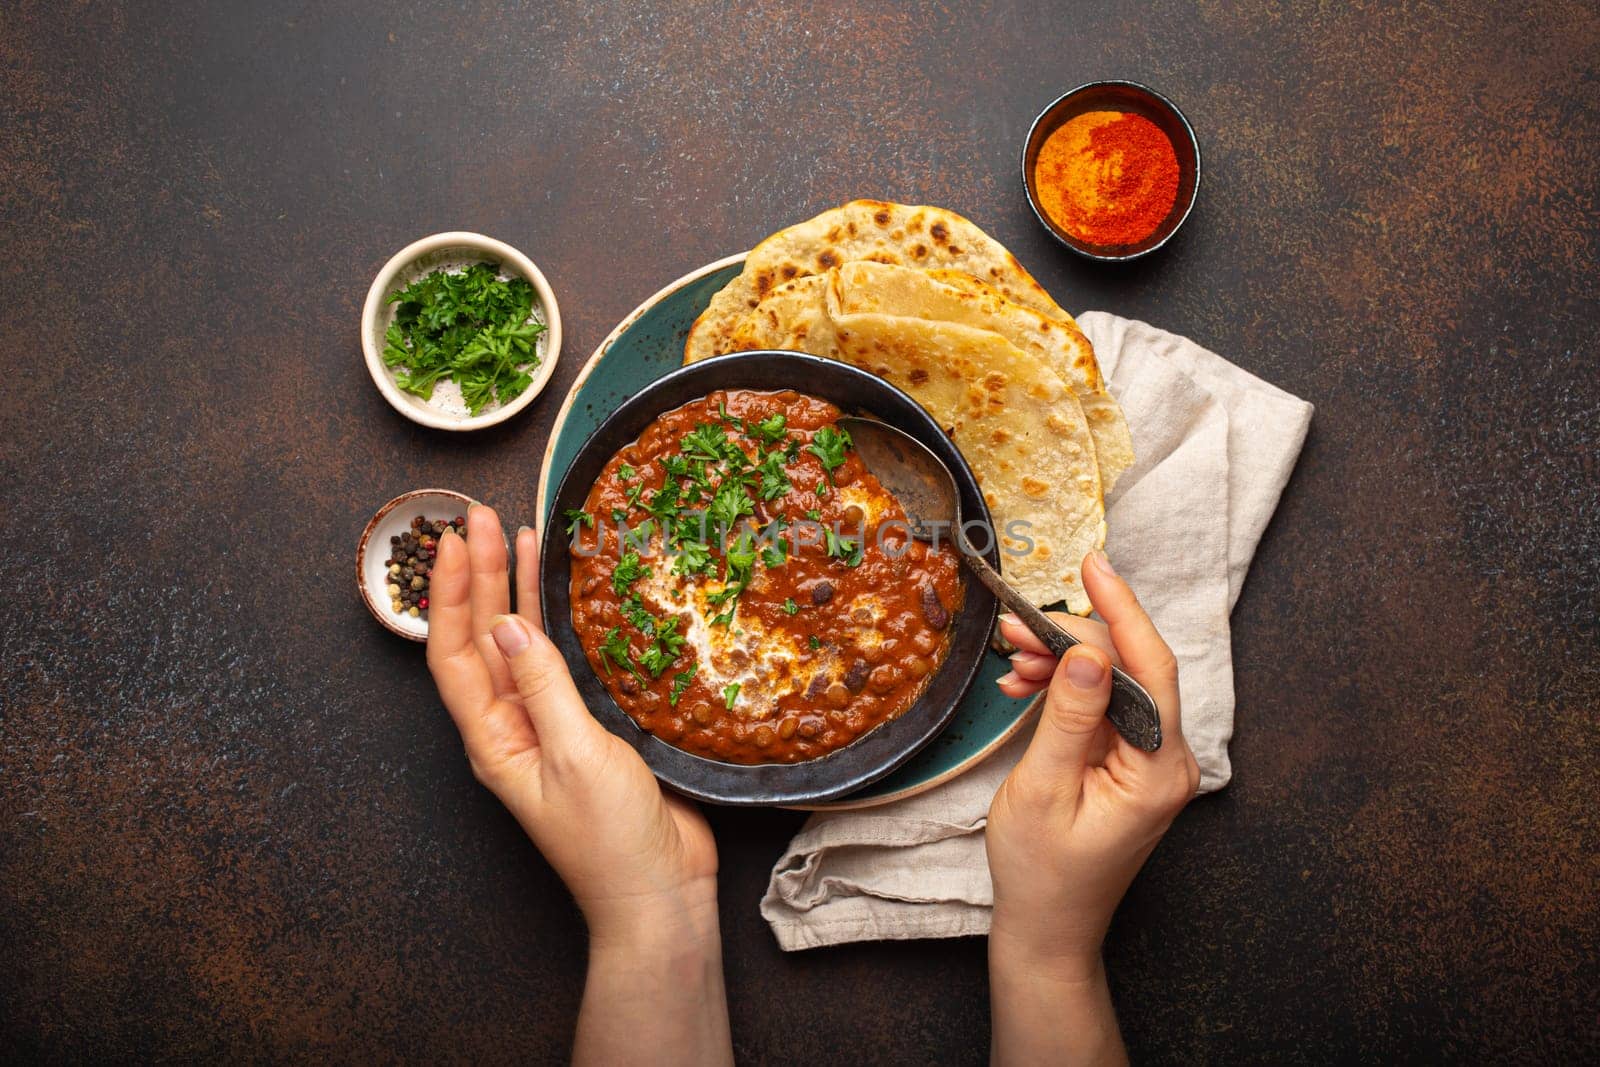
(1102, 561)
(524, 529)
(510, 635)
(472, 505)
(1010, 619)
(1007, 678)
(1084, 670)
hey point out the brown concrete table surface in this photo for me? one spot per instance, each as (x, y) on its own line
(235, 821)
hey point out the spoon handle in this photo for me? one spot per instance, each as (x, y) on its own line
(1132, 710)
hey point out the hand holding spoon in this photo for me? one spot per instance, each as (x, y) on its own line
(924, 487)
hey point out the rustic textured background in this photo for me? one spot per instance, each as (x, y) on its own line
(234, 820)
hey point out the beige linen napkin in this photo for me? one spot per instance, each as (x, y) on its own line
(1215, 447)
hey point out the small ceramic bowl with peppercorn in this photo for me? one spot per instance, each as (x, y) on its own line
(394, 561)
(1111, 169)
(460, 331)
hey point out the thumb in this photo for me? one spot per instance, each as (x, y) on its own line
(545, 685)
(1074, 708)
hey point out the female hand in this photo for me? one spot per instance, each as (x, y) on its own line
(641, 863)
(1076, 819)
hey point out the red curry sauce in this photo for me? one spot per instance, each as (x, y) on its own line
(816, 619)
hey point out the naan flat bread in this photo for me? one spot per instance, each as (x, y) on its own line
(793, 316)
(1013, 418)
(954, 296)
(911, 236)
(1005, 411)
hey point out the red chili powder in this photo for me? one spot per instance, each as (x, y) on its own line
(1107, 177)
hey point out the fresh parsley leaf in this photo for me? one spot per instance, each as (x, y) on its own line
(663, 653)
(708, 441)
(740, 562)
(615, 647)
(771, 428)
(694, 557)
(471, 327)
(628, 570)
(680, 684)
(633, 610)
(664, 502)
(776, 552)
(730, 503)
(690, 525)
(577, 517)
(829, 444)
(845, 549)
(774, 481)
(638, 537)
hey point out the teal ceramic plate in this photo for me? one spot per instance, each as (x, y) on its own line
(646, 345)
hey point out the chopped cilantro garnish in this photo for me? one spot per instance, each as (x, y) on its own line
(470, 327)
(709, 441)
(628, 570)
(740, 561)
(738, 566)
(813, 514)
(615, 646)
(689, 525)
(828, 445)
(633, 610)
(771, 428)
(774, 482)
(776, 552)
(730, 693)
(663, 653)
(618, 514)
(664, 503)
(680, 684)
(694, 557)
(729, 505)
(626, 472)
(813, 641)
(790, 607)
(639, 536)
(576, 518)
(845, 549)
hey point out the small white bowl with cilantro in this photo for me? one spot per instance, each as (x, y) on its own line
(460, 331)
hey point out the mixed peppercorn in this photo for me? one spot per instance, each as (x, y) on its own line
(410, 562)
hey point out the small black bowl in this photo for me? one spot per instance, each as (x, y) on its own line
(876, 752)
(1117, 96)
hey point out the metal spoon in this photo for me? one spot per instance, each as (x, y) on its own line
(923, 485)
